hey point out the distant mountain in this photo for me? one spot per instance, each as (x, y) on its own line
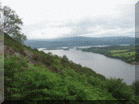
(79, 41)
(82, 38)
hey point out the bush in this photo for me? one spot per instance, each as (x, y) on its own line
(65, 59)
(35, 49)
(119, 90)
(135, 87)
(71, 62)
(29, 47)
(42, 52)
(49, 53)
(55, 56)
(11, 69)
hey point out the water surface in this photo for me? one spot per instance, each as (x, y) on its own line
(101, 64)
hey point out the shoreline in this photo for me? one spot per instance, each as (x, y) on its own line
(135, 63)
(132, 63)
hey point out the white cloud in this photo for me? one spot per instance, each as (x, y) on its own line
(95, 29)
(49, 33)
(56, 18)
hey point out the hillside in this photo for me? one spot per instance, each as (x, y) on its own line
(30, 74)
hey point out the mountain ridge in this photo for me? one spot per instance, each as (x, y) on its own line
(79, 41)
(80, 37)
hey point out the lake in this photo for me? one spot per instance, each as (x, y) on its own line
(101, 64)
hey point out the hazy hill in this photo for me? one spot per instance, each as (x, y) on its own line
(83, 38)
(79, 41)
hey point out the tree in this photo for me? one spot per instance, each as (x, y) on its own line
(1, 14)
(10, 24)
(64, 58)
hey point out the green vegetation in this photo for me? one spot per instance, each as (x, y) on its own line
(117, 51)
(137, 53)
(35, 75)
(11, 24)
(127, 54)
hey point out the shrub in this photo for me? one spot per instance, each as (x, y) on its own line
(11, 69)
(71, 62)
(65, 59)
(35, 49)
(55, 56)
(47, 63)
(21, 51)
(28, 47)
(119, 90)
(135, 87)
(95, 81)
(42, 52)
(49, 53)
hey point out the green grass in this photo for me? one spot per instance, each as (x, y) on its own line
(115, 51)
(57, 78)
(126, 54)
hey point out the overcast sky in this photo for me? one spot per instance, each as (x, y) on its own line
(46, 19)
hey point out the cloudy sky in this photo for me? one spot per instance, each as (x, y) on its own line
(47, 19)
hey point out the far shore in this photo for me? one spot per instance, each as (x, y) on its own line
(67, 48)
(135, 63)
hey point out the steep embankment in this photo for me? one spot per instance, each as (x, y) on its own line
(34, 75)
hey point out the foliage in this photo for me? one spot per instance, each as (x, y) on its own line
(137, 53)
(37, 82)
(25, 81)
(127, 54)
(42, 84)
(50, 53)
(120, 90)
(64, 58)
(10, 24)
(135, 87)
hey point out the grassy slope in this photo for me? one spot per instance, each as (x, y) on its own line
(35, 75)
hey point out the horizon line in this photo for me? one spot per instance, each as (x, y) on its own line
(79, 36)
